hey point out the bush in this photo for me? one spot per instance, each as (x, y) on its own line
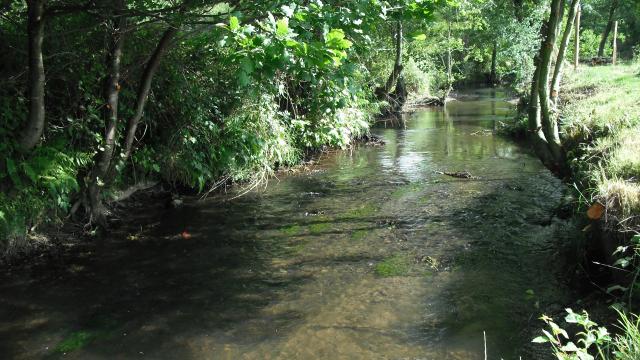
(416, 79)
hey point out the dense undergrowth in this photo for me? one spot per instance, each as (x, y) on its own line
(237, 94)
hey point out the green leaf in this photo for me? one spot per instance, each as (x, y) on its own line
(246, 65)
(570, 347)
(335, 39)
(291, 43)
(623, 262)
(243, 79)
(540, 340)
(288, 10)
(420, 37)
(30, 172)
(282, 27)
(610, 289)
(234, 23)
(13, 172)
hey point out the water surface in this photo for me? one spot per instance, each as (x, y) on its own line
(370, 253)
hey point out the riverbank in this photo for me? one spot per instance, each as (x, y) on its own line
(601, 122)
(371, 253)
(600, 129)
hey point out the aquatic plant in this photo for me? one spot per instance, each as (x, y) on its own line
(396, 265)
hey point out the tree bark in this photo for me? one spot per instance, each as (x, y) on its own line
(614, 59)
(494, 64)
(36, 118)
(145, 87)
(562, 51)
(97, 176)
(607, 29)
(397, 65)
(445, 95)
(549, 122)
(576, 40)
(536, 134)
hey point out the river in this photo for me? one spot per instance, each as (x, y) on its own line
(368, 253)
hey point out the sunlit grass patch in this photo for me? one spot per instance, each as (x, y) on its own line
(601, 101)
(601, 126)
(625, 157)
(621, 198)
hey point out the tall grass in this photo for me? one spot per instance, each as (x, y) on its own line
(600, 123)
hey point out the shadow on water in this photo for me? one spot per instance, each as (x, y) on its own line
(504, 270)
(374, 254)
(140, 294)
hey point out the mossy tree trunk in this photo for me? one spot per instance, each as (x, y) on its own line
(549, 121)
(36, 118)
(104, 158)
(535, 123)
(397, 65)
(543, 123)
(562, 51)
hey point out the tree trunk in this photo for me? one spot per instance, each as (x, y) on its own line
(614, 59)
(535, 124)
(97, 177)
(557, 73)
(397, 65)
(549, 122)
(145, 86)
(576, 40)
(445, 95)
(494, 64)
(607, 29)
(35, 123)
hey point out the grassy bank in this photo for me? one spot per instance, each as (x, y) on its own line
(599, 114)
(600, 129)
(601, 124)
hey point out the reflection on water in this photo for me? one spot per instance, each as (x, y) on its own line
(372, 255)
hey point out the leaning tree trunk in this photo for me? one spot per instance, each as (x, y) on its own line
(35, 123)
(145, 87)
(607, 29)
(549, 122)
(397, 65)
(535, 123)
(557, 73)
(97, 177)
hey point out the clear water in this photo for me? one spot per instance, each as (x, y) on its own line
(367, 254)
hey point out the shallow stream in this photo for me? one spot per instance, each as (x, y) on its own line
(369, 253)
